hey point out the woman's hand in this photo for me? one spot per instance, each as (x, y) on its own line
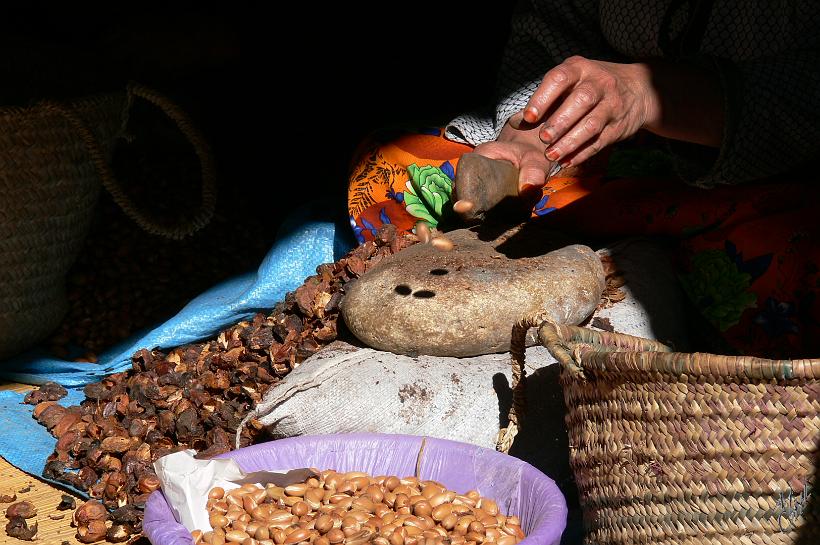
(520, 144)
(586, 105)
(583, 105)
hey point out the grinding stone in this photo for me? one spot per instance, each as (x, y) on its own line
(464, 302)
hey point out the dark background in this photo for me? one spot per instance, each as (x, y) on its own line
(283, 97)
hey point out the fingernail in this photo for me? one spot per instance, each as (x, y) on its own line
(531, 115)
(566, 164)
(546, 135)
(423, 232)
(553, 154)
(463, 206)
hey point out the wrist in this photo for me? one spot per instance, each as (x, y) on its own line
(682, 102)
(649, 101)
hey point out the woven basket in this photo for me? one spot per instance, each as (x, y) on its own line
(53, 159)
(674, 448)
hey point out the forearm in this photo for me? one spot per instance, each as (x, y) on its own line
(683, 103)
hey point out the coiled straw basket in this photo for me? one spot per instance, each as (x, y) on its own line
(54, 156)
(674, 448)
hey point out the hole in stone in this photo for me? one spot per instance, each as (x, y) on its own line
(403, 289)
(439, 272)
(424, 294)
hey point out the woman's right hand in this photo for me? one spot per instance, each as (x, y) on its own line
(520, 144)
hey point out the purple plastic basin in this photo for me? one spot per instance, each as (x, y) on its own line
(517, 487)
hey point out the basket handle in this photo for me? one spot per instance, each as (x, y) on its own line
(208, 172)
(518, 341)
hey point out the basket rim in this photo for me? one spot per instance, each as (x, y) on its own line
(596, 351)
(37, 108)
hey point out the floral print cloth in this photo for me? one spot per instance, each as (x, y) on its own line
(748, 255)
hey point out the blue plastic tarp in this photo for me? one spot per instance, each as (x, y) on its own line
(305, 241)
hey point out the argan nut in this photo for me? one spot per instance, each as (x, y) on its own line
(422, 508)
(236, 536)
(40, 407)
(449, 522)
(118, 533)
(218, 521)
(23, 509)
(488, 505)
(300, 509)
(297, 535)
(335, 536)
(94, 531)
(115, 444)
(323, 523)
(442, 243)
(216, 493)
(298, 489)
(148, 483)
(262, 533)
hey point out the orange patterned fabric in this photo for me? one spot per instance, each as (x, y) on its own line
(748, 255)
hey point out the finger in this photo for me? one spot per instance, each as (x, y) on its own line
(496, 150)
(556, 82)
(518, 122)
(580, 102)
(586, 150)
(463, 206)
(586, 129)
(423, 232)
(532, 170)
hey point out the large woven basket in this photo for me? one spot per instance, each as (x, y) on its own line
(54, 156)
(674, 448)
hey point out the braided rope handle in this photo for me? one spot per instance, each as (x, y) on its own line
(518, 341)
(208, 171)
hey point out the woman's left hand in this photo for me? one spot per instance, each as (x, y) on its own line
(586, 105)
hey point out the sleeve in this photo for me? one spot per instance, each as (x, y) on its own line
(543, 33)
(772, 121)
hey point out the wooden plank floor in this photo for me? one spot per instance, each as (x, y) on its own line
(50, 531)
(56, 530)
(45, 497)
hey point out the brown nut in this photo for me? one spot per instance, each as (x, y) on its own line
(422, 508)
(298, 489)
(262, 533)
(218, 521)
(236, 536)
(23, 509)
(90, 510)
(324, 523)
(488, 505)
(335, 536)
(148, 483)
(118, 533)
(297, 535)
(94, 531)
(216, 493)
